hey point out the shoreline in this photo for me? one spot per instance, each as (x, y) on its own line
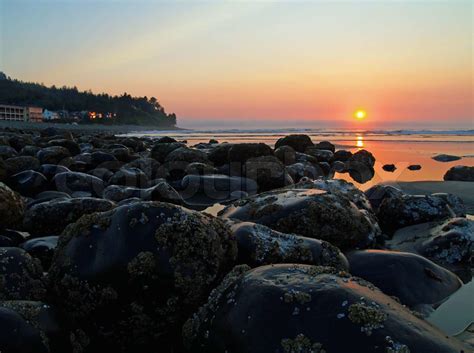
(86, 128)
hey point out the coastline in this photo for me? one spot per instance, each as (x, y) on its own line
(86, 128)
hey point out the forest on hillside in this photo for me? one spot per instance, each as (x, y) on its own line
(125, 108)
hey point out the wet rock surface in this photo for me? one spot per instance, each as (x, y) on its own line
(311, 213)
(11, 207)
(259, 245)
(306, 309)
(411, 278)
(166, 259)
(460, 173)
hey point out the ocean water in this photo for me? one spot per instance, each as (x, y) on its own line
(399, 147)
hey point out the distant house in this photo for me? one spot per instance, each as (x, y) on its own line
(19, 113)
(49, 115)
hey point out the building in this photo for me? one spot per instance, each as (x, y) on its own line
(50, 115)
(19, 113)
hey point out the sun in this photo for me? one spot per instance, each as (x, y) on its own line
(360, 114)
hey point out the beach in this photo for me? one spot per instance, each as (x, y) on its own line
(192, 234)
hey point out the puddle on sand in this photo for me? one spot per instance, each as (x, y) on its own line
(455, 314)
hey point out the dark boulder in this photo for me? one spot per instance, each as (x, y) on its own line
(268, 172)
(50, 170)
(161, 150)
(311, 213)
(198, 168)
(149, 166)
(411, 278)
(401, 210)
(389, 167)
(342, 155)
(325, 145)
(286, 154)
(241, 152)
(259, 245)
(71, 182)
(207, 190)
(300, 170)
(298, 142)
(7, 152)
(20, 164)
(21, 276)
(414, 167)
(131, 276)
(70, 145)
(219, 155)
(159, 192)
(29, 151)
(319, 154)
(51, 217)
(364, 157)
(303, 308)
(53, 155)
(460, 173)
(28, 183)
(133, 177)
(360, 172)
(99, 158)
(41, 249)
(12, 207)
(445, 158)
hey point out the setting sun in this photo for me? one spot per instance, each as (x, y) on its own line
(360, 114)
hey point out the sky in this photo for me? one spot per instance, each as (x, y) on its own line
(256, 63)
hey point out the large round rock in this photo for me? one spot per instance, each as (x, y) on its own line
(311, 213)
(412, 278)
(51, 217)
(302, 308)
(259, 245)
(11, 207)
(129, 277)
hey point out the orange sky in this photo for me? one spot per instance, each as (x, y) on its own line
(402, 61)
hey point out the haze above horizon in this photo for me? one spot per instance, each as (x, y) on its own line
(256, 63)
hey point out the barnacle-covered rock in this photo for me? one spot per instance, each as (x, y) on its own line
(129, 277)
(11, 207)
(414, 279)
(302, 308)
(311, 213)
(21, 276)
(160, 192)
(32, 327)
(259, 245)
(401, 210)
(51, 217)
(449, 243)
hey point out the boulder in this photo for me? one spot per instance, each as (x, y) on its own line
(19, 164)
(34, 327)
(53, 155)
(50, 170)
(325, 145)
(72, 182)
(241, 152)
(42, 249)
(268, 172)
(298, 142)
(445, 158)
(320, 154)
(197, 168)
(21, 276)
(303, 308)
(411, 278)
(160, 192)
(7, 152)
(219, 155)
(28, 183)
(360, 172)
(131, 276)
(133, 177)
(299, 171)
(149, 166)
(342, 155)
(401, 210)
(259, 245)
(364, 157)
(414, 167)
(311, 213)
(161, 150)
(449, 243)
(286, 155)
(207, 190)
(12, 207)
(70, 145)
(460, 173)
(389, 167)
(51, 217)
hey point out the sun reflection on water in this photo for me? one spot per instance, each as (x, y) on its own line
(360, 142)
